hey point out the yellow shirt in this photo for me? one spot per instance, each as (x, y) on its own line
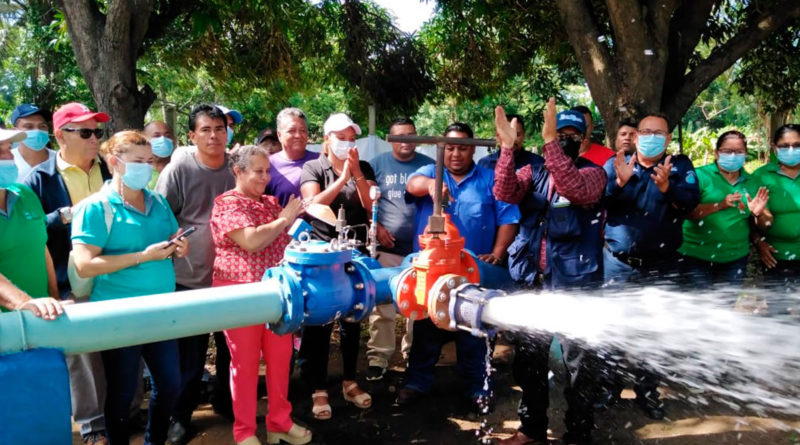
(79, 184)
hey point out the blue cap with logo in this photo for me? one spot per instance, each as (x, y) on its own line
(234, 114)
(26, 110)
(571, 118)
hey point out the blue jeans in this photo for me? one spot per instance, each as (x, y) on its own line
(657, 270)
(426, 347)
(707, 273)
(122, 375)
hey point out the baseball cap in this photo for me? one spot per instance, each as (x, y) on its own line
(237, 116)
(26, 110)
(12, 135)
(76, 112)
(571, 118)
(339, 122)
(267, 133)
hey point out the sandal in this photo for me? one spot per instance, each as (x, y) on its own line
(252, 440)
(363, 400)
(297, 435)
(320, 412)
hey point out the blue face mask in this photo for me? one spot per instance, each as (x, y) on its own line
(731, 162)
(162, 146)
(8, 173)
(36, 140)
(651, 145)
(230, 135)
(789, 156)
(137, 174)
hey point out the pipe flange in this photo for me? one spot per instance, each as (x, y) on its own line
(292, 298)
(406, 300)
(439, 299)
(466, 309)
(364, 291)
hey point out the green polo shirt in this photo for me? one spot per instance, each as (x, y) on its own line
(784, 203)
(131, 231)
(722, 236)
(23, 236)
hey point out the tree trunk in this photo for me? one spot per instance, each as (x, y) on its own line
(106, 48)
(643, 66)
(776, 120)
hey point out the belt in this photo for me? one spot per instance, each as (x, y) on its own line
(636, 262)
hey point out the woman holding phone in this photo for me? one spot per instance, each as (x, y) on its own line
(121, 237)
(249, 232)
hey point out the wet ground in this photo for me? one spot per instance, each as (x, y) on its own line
(442, 418)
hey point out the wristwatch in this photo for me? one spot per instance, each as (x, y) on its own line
(65, 213)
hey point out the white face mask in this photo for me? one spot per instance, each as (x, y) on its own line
(341, 149)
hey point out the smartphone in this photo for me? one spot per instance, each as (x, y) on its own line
(183, 235)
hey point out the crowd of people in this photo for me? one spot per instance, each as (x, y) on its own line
(113, 211)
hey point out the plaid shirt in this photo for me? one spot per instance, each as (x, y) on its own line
(580, 186)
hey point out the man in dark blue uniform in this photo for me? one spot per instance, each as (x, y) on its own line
(648, 195)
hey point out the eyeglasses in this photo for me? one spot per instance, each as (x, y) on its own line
(647, 132)
(572, 137)
(794, 146)
(85, 133)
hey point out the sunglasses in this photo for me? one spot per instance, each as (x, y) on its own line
(85, 133)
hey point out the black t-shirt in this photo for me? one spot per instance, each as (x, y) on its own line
(321, 171)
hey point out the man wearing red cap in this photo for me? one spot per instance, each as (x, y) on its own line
(61, 183)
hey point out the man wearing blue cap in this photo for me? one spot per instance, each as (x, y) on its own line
(234, 118)
(33, 150)
(559, 246)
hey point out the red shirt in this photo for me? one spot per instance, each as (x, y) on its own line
(598, 154)
(232, 211)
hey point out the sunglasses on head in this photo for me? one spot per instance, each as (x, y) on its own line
(85, 133)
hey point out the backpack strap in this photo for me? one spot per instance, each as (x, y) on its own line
(108, 213)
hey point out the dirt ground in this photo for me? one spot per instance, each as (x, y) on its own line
(442, 418)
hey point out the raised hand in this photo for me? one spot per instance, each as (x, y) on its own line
(661, 175)
(624, 169)
(733, 200)
(505, 131)
(759, 203)
(549, 128)
(353, 162)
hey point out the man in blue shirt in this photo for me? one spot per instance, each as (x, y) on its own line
(522, 157)
(648, 195)
(396, 238)
(488, 227)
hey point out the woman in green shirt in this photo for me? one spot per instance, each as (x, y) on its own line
(779, 249)
(716, 235)
(27, 276)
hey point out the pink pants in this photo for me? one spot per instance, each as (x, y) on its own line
(247, 345)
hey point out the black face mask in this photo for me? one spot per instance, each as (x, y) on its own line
(571, 148)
